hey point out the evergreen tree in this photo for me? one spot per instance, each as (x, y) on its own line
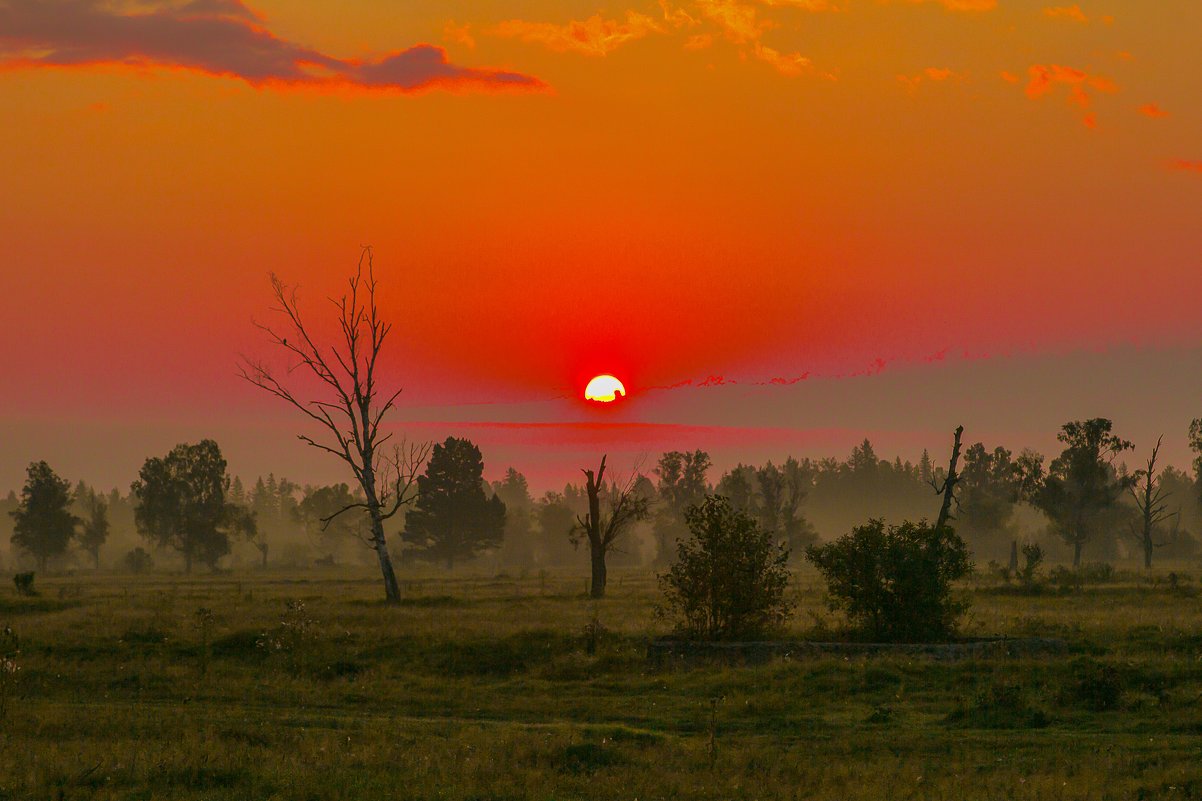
(453, 519)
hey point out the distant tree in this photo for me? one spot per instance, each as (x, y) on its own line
(612, 510)
(138, 561)
(556, 513)
(181, 504)
(1151, 498)
(353, 406)
(781, 491)
(1081, 492)
(680, 484)
(94, 529)
(453, 520)
(990, 486)
(321, 512)
(738, 487)
(1195, 445)
(517, 545)
(43, 523)
(895, 583)
(1029, 468)
(729, 578)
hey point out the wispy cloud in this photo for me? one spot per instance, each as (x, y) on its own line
(1071, 13)
(1153, 110)
(221, 38)
(960, 5)
(1044, 78)
(934, 74)
(1183, 165)
(595, 36)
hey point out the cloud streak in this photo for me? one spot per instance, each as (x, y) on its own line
(221, 38)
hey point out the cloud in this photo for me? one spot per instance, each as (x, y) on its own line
(216, 37)
(460, 34)
(960, 5)
(1183, 165)
(936, 74)
(1045, 77)
(739, 21)
(1071, 13)
(595, 36)
(1153, 110)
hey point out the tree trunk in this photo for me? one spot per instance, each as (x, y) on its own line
(96, 558)
(949, 483)
(1014, 556)
(263, 551)
(597, 589)
(1076, 554)
(1148, 550)
(188, 561)
(392, 590)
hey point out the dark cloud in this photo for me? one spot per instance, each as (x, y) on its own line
(218, 37)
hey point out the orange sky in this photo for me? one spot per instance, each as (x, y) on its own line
(665, 191)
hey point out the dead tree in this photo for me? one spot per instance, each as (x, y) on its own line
(948, 487)
(1150, 497)
(351, 405)
(602, 529)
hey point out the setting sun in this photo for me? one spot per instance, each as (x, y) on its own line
(605, 389)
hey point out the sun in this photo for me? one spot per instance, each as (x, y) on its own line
(604, 389)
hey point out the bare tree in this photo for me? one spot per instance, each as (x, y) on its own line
(351, 406)
(1150, 497)
(948, 487)
(624, 508)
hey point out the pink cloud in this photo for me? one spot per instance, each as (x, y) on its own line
(221, 38)
(1071, 13)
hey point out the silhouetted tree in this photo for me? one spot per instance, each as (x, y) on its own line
(947, 488)
(989, 485)
(737, 486)
(352, 406)
(181, 504)
(612, 510)
(778, 506)
(94, 529)
(729, 577)
(557, 513)
(453, 519)
(1152, 501)
(43, 523)
(1082, 490)
(1195, 445)
(895, 583)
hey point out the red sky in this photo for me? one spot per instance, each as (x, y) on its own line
(664, 191)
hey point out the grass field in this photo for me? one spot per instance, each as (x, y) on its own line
(480, 688)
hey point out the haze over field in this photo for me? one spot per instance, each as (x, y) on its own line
(785, 226)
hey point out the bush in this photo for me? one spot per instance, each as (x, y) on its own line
(24, 584)
(895, 583)
(1032, 559)
(1095, 686)
(1000, 705)
(138, 561)
(730, 577)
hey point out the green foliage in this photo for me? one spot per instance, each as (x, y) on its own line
(1082, 490)
(895, 583)
(453, 520)
(729, 578)
(1028, 574)
(181, 503)
(43, 523)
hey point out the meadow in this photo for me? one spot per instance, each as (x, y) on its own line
(304, 685)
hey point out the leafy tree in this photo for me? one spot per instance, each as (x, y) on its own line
(556, 513)
(181, 504)
(738, 487)
(138, 561)
(1082, 490)
(321, 511)
(895, 583)
(453, 519)
(729, 578)
(1195, 444)
(680, 485)
(43, 523)
(94, 529)
(989, 489)
(781, 491)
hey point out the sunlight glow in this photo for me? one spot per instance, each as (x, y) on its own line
(605, 389)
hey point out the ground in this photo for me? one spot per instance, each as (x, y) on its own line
(481, 688)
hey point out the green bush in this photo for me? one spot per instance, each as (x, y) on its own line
(729, 578)
(895, 583)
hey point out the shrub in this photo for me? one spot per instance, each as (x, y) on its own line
(1095, 686)
(1032, 559)
(895, 583)
(999, 705)
(24, 584)
(729, 578)
(138, 561)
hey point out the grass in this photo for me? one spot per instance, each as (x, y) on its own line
(480, 688)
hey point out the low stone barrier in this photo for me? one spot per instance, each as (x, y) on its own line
(663, 653)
